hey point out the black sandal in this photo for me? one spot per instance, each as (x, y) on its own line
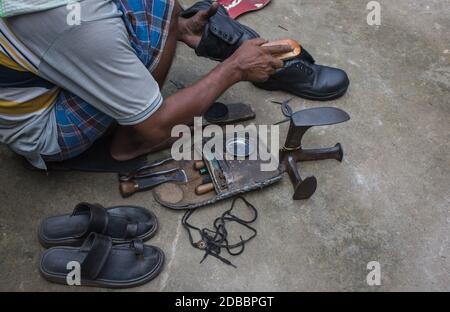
(104, 265)
(122, 223)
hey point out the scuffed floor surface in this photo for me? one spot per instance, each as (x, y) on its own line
(388, 201)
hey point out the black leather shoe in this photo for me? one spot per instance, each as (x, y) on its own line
(222, 35)
(303, 78)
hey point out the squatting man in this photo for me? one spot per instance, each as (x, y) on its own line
(65, 85)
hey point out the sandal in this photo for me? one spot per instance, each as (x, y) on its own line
(104, 265)
(122, 223)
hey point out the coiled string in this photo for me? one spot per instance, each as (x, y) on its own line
(213, 241)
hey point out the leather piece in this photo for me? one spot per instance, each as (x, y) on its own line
(237, 8)
(235, 112)
(216, 113)
(71, 229)
(123, 266)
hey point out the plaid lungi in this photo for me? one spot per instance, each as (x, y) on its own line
(79, 124)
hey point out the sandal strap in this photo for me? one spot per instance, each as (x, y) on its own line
(98, 222)
(98, 248)
(138, 246)
(132, 229)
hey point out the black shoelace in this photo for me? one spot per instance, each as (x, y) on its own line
(213, 241)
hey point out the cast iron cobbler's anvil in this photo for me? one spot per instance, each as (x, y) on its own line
(293, 151)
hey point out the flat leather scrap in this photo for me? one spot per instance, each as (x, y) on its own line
(238, 7)
(237, 112)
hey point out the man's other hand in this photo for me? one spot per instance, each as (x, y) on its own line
(190, 30)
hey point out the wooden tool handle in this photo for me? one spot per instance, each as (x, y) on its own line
(128, 188)
(204, 189)
(297, 49)
(199, 165)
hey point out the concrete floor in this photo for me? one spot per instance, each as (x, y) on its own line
(388, 201)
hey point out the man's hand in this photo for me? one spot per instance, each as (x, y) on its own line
(190, 30)
(256, 63)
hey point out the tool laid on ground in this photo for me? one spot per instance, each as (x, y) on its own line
(144, 179)
(293, 151)
(207, 184)
(199, 165)
(144, 171)
(204, 188)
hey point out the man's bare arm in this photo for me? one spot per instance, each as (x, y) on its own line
(181, 107)
(251, 62)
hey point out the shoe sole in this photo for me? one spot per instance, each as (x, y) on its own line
(308, 96)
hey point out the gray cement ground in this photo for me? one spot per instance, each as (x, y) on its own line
(388, 201)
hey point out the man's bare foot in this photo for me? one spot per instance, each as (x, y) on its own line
(137, 151)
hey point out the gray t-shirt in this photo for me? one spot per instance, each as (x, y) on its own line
(93, 60)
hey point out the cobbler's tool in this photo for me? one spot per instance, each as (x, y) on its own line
(144, 171)
(296, 49)
(238, 7)
(204, 188)
(130, 187)
(213, 241)
(198, 165)
(218, 173)
(293, 151)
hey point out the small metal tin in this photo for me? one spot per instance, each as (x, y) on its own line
(241, 147)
